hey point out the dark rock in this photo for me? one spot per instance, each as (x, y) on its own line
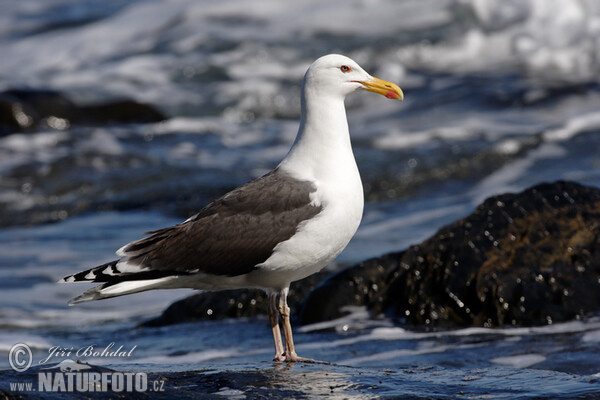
(118, 111)
(13, 116)
(230, 303)
(359, 285)
(213, 305)
(530, 258)
(25, 109)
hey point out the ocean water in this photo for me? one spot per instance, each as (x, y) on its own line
(498, 96)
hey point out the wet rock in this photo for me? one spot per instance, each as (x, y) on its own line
(530, 258)
(230, 303)
(118, 111)
(281, 381)
(359, 285)
(213, 305)
(26, 109)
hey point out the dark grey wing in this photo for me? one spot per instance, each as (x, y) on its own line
(234, 233)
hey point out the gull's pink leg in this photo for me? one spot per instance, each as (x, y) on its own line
(290, 351)
(284, 310)
(274, 319)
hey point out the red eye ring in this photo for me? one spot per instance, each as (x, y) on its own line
(345, 68)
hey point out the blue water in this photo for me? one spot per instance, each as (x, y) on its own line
(498, 97)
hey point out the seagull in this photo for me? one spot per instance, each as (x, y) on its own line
(271, 231)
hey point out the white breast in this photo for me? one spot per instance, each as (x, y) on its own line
(318, 240)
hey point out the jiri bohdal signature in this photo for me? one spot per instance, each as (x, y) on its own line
(92, 350)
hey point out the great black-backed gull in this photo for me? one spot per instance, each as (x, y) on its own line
(274, 230)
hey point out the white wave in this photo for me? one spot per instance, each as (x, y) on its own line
(188, 125)
(520, 361)
(396, 140)
(508, 146)
(426, 344)
(423, 348)
(189, 358)
(56, 313)
(230, 393)
(101, 141)
(509, 177)
(26, 143)
(43, 147)
(183, 150)
(547, 38)
(398, 333)
(9, 339)
(573, 127)
(358, 318)
(416, 217)
(392, 354)
(591, 337)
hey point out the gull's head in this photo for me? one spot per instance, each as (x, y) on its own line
(339, 75)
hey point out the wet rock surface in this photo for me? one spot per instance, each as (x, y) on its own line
(359, 285)
(530, 258)
(300, 381)
(28, 109)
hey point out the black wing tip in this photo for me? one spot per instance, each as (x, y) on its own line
(95, 274)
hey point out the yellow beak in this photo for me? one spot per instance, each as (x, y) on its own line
(385, 88)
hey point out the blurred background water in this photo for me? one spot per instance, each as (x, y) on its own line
(500, 95)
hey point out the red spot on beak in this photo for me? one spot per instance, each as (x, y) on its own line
(391, 95)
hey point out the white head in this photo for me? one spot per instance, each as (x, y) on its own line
(339, 75)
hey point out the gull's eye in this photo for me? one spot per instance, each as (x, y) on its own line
(345, 68)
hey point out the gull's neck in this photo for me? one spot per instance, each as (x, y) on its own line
(322, 149)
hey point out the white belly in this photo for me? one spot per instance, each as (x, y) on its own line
(319, 240)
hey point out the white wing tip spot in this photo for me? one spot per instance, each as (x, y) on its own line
(121, 251)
